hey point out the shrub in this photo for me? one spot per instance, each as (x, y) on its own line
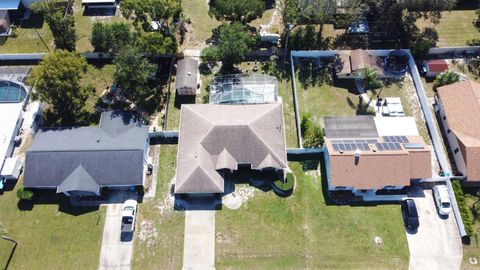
(287, 184)
(446, 78)
(306, 123)
(25, 195)
(463, 207)
(473, 42)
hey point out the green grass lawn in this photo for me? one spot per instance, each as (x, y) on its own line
(472, 250)
(159, 233)
(202, 24)
(454, 29)
(302, 232)
(48, 238)
(99, 77)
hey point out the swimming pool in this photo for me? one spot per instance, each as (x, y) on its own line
(11, 92)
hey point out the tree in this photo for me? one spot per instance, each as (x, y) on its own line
(243, 11)
(62, 25)
(57, 82)
(101, 37)
(132, 71)
(371, 80)
(233, 45)
(63, 30)
(156, 10)
(446, 78)
(153, 43)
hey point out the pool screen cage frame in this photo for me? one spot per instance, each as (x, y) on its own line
(243, 89)
(16, 75)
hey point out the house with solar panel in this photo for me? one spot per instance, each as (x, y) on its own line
(368, 155)
(80, 161)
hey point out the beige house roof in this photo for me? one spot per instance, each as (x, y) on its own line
(461, 104)
(348, 62)
(214, 137)
(366, 162)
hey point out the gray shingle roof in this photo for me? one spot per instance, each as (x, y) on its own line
(186, 77)
(214, 137)
(111, 154)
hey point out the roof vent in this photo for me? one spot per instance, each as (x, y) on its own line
(189, 73)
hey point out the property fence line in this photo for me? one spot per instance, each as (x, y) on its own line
(295, 102)
(434, 135)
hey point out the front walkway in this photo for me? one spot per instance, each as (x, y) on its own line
(199, 242)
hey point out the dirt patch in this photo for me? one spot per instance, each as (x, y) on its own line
(165, 204)
(148, 233)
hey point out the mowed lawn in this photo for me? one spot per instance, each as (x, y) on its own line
(202, 24)
(302, 232)
(49, 238)
(455, 28)
(159, 231)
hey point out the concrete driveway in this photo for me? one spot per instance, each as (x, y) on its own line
(199, 241)
(115, 253)
(437, 243)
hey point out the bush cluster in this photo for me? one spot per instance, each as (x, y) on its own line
(311, 133)
(463, 207)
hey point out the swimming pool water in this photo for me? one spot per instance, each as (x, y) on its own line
(11, 92)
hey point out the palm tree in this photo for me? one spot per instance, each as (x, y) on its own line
(446, 78)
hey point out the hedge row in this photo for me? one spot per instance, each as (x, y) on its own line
(463, 207)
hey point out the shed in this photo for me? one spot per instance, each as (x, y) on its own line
(11, 168)
(187, 79)
(432, 68)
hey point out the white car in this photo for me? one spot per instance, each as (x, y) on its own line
(129, 211)
(442, 200)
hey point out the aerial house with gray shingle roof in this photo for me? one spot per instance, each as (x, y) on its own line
(218, 138)
(82, 160)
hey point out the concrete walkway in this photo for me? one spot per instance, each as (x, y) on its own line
(199, 242)
(115, 254)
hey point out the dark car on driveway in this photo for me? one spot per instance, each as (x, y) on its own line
(410, 215)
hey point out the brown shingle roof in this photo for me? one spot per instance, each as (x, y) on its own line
(373, 167)
(348, 62)
(214, 137)
(461, 104)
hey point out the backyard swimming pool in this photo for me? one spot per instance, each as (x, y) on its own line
(11, 92)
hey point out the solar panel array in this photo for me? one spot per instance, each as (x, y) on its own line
(395, 139)
(387, 146)
(352, 145)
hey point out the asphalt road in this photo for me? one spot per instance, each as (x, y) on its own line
(115, 253)
(437, 243)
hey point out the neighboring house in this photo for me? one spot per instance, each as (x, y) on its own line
(215, 140)
(352, 64)
(12, 100)
(186, 79)
(432, 68)
(459, 109)
(82, 160)
(243, 89)
(17, 9)
(99, 3)
(4, 23)
(365, 154)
